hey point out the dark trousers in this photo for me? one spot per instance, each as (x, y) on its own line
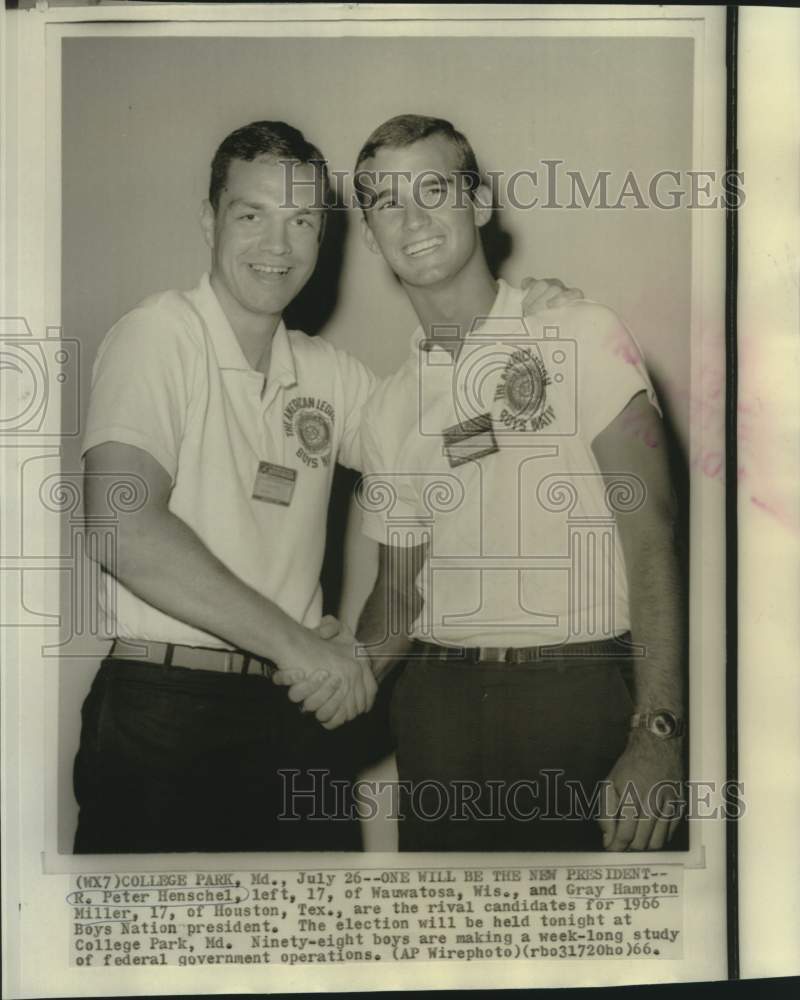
(506, 757)
(172, 759)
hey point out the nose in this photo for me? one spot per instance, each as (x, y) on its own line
(414, 215)
(273, 238)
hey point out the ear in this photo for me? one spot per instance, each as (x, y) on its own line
(368, 236)
(207, 223)
(482, 205)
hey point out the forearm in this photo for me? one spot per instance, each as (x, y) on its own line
(385, 626)
(161, 560)
(657, 612)
(634, 445)
(384, 629)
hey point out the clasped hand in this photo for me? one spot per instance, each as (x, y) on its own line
(341, 687)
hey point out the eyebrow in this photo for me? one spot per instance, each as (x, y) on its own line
(385, 185)
(260, 206)
(242, 203)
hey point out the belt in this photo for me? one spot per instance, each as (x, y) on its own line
(172, 654)
(618, 646)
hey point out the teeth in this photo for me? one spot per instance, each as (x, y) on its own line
(269, 269)
(414, 248)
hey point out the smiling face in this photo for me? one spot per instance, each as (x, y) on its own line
(425, 228)
(264, 238)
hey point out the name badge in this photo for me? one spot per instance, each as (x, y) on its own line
(274, 483)
(469, 441)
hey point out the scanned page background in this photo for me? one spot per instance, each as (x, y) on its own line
(36, 737)
(769, 491)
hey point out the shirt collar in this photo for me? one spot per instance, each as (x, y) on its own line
(500, 307)
(227, 348)
(282, 368)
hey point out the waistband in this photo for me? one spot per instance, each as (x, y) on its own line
(171, 654)
(618, 646)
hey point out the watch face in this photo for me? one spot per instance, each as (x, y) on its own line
(664, 724)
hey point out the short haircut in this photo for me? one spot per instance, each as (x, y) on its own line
(275, 140)
(404, 130)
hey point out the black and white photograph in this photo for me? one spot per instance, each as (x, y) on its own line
(372, 494)
(525, 499)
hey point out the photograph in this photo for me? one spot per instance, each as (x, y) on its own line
(369, 499)
(524, 593)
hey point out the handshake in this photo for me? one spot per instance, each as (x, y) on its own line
(341, 687)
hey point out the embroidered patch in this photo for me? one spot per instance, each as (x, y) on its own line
(310, 422)
(523, 387)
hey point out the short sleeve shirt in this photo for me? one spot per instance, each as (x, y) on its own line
(170, 378)
(488, 459)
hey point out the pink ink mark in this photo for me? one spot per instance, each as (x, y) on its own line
(762, 505)
(626, 352)
(638, 426)
(712, 465)
(622, 346)
(759, 443)
(786, 520)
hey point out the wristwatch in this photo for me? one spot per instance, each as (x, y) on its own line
(661, 723)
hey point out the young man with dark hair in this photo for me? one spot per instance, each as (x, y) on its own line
(518, 487)
(232, 425)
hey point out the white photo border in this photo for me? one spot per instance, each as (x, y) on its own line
(30, 291)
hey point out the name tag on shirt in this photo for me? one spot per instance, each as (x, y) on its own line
(274, 483)
(470, 440)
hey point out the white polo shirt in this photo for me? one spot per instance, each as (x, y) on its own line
(170, 378)
(523, 548)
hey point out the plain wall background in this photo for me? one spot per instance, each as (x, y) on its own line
(143, 116)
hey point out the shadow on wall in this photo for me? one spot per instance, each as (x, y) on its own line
(679, 476)
(313, 308)
(332, 576)
(496, 244)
